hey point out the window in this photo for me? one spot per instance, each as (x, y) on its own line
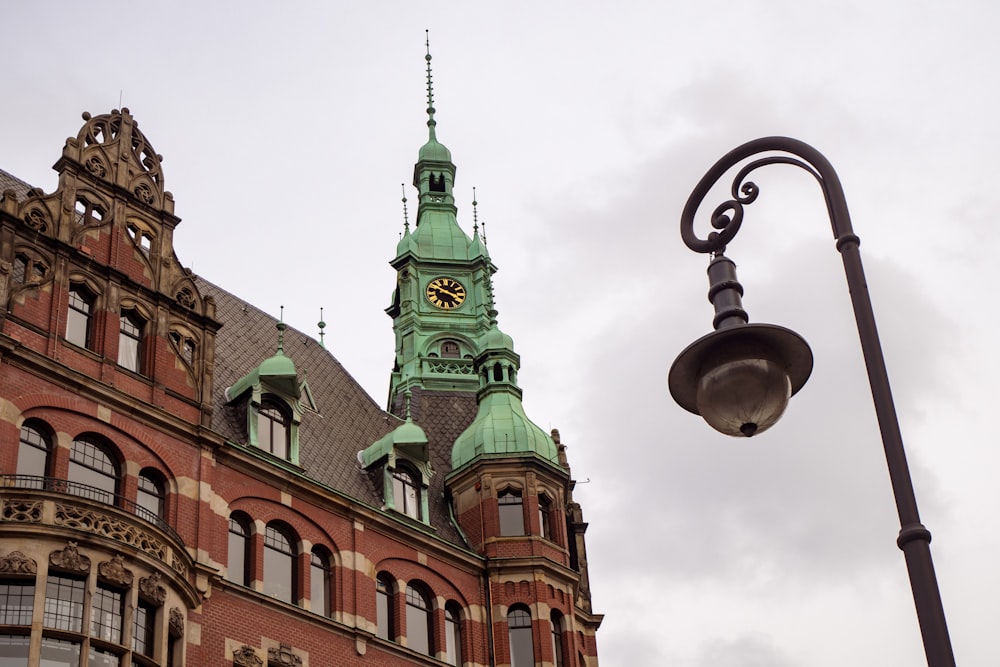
(406, 492)
(87, 213)
(557, 639)
(142, 629)
(130, 341)
(64, 603)
(106, 615)
(522, 653)
(452, 635)
(91, 465)
(15, 649)
(239, 550)
(279, 563)
(418, 620)
(17, 601)
(20, 270)
(383, 606)
(319, 581)
(149, 497)
(272, 428)
(511, 513)
(78, 315)
(33, 451)
(59, 653)
(140, 238)
(450, 349)
(544, 507)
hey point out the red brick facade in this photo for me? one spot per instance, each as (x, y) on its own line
(170, 424)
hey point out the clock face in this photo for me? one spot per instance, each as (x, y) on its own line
(445, 293)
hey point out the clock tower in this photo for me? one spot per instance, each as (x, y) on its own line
(441, 305)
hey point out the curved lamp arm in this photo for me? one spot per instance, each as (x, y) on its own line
(914, 539)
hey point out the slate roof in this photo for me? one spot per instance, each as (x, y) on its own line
(347, 419)
(11, 182)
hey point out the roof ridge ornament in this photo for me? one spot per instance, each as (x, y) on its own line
(281, 331)
(322, 325)
(406, 218)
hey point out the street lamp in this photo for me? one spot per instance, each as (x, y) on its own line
(740, 377)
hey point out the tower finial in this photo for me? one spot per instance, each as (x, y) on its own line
(430, 88)
(406, 219)
(321, 325)
(475, 214)
(281, 332)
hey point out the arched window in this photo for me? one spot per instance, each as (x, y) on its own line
(130, 334)
(279, 563)
(450, 349)
(319, 581)
(406, 492)
(383, 606)
(452, 634)
(93, 471)
(78, 316)
(557, 639)
(544, 507)
(150, 495)
(239, 549)
(33, 452)
(522, 653)
(272, 427)
(511, 513)
(418, 619)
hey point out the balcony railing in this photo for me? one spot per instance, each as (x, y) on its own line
(56, 485)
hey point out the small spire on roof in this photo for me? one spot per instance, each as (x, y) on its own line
(475, 213)
(321, 325)
(281, 332)
(406, 219)
(430, 88)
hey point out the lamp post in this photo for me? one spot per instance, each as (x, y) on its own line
(740, 377)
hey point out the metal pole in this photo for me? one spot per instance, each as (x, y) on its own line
(914, 539)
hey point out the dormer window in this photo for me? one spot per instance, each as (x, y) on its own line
(272, 428)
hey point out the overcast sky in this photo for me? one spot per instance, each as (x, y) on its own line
(287, 129)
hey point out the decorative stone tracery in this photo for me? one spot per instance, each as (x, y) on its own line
(23, 511)
(102, 524)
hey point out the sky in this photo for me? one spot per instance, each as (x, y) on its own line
(287, 129)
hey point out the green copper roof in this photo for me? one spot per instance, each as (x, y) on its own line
(502, 429)
(434, 151)
(407, 437)
(277, 372)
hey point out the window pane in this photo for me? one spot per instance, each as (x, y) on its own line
(238, 543)
(543, 518)
(129, 340)
(59, 653)
(452, 637)
(63, 604)
(99, 658)
(32, 452)
(278, 565)
(383, 609)
(14, 650)
(417, 621)
(319, 584)
(106, 615)
(522, 653)
(406, 494)
(272, 430)
(149, 498)
(511, 514)
(16, 603)
(78, 317)
(91, 465)
(142, 630)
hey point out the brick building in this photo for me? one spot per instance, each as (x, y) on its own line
(186, 481)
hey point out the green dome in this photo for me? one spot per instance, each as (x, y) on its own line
(434, 151)
(502, 429)
(277, 366)
(497, 340)
(408, 437)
